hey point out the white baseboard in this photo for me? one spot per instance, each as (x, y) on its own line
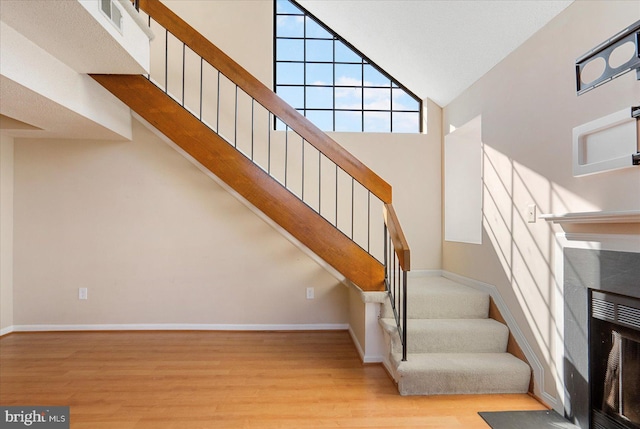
(537, 367)
(180, 327)
(6, 331)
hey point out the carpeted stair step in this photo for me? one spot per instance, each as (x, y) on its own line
(461, 373)
(441, 298)
(453, 347)
(449, 335)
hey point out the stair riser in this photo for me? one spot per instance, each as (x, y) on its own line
(475, 306)
(452, 375)
(457, 385)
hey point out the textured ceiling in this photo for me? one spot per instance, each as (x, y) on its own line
(67, 31)
(436, 48)
(65, 34)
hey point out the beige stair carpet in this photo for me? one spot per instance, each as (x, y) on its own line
(453, 347)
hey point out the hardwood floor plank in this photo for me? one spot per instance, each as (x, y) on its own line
(244, 380)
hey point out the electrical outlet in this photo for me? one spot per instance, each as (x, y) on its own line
(531, 213)
(82, 293)
(310, 293)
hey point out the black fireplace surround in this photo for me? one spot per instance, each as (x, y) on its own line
(602, 338)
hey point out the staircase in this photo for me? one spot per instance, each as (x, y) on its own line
(285, 166)
(265, 150)
(453, 347)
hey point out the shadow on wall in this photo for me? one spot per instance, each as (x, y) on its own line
(526, 249)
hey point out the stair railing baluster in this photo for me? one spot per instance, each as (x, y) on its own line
(218, 105)
(336, 216)
(320, 182)
(252, 125)
(353, 198)
(235, 119)
(404, 315)
(286, 152)
(201, 80)
(269, 145)
(368, 221)
(184, 48)
(166, 60)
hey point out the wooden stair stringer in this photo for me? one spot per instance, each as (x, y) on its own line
(246, 178)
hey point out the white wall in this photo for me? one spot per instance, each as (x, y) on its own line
(154, 240)
(6, 233)
(242, 29)
(529, 108)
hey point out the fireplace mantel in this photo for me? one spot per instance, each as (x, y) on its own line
(630, 216)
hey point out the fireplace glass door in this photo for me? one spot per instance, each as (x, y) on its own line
(615, 361)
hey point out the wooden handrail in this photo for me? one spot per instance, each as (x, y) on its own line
(265, 96)
(400, 244)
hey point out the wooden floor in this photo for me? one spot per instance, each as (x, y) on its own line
(228, 380)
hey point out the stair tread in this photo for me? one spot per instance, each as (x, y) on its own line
(450, 335)
(441, 298)
(437, 285)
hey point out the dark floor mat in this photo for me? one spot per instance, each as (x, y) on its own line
(526, 420)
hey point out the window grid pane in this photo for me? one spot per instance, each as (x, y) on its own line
(333, 84)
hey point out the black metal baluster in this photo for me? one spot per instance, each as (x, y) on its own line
(201, 89)
(166, 61)
(149, 25)
(352, 206)
(269, 147)
(395, 283)
(218, 107)
(386, 264)
(405, 346)
(235, 120)
(252, 124)
(396, 273)
(183, 70)
(286, 152)
(368, 221)
(320, 183)
(336, 225)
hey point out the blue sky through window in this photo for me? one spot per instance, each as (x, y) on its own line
(334, 86)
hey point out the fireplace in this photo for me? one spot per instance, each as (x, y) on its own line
(602, 338)
(614, 361)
